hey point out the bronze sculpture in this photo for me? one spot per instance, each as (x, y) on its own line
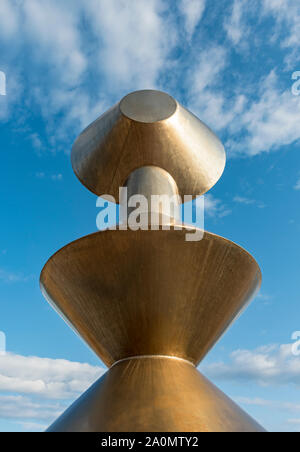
(150, 304)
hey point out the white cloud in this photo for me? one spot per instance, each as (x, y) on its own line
(20, 407)
(89, 54)
(208, 68)
(8, 18)
(248, 201)
(207, 97)
(264, 122)
(215, 208)
(235, 26)
(204, 96)
(269, 365)
(256, 126)
(85, 51)
(53, 27)
(135, 39)
(35, 391)
(286, 406)
(272, 121)
(294, 421)
(192, 11)
(287, 17)
(33, 427)
(285, 13)
(36, 142)
(243, 200)
(44, 377)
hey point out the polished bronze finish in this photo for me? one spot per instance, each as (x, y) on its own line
(152, 181)
(133, 293)
(149, 303)
(154, 395)
(166, 135)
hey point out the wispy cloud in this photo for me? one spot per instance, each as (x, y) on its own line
(54, 177)
(122, 46)
(8, 19)
(192, 11)
(215, 208)
(243, 200)
(287, 19)
(32, 427)
(268, 365)
(294, 421)
(285, 29)
(248, 201)
(11, 277)
(235, 25)
(286, 406)
(269, 122)
(57, 177)
(92, 53)
(36, 142)
(265, 298)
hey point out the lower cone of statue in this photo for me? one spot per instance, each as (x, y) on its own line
(154, 395)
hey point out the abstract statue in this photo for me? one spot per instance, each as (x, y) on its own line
(149, 303)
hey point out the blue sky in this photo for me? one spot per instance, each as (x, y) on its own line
(231, 63)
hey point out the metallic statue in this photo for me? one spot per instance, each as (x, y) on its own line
(149, 303)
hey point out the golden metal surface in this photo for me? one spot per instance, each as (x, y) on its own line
(150, 292)
(150, 303)
(154, 395)
(148, 128)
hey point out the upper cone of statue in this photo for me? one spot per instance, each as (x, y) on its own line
(148, 128)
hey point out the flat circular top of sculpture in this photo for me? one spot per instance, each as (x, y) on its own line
(148, 106)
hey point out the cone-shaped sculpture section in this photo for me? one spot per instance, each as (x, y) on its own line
(148, 128)
(154, 395)
(131, 293)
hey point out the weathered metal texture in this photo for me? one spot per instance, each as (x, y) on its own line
(148, 128)
(154, 395)
(150, 292)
